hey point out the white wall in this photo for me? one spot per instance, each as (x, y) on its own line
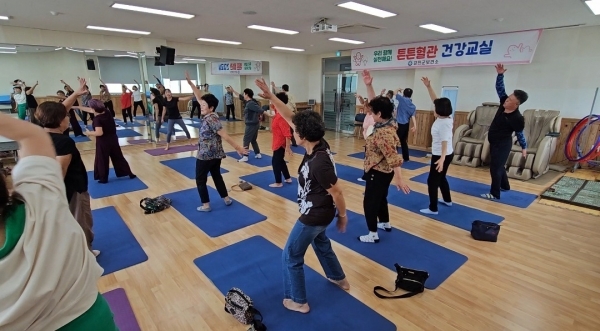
(563, 76)
(48, 68)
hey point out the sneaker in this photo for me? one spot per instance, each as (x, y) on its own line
(428, 211)
(489, 196)
(258, 156)
(96, 252)
(360, 179)
(369, 238)
(202, 209)
(228, 202)
(384, 226)
(449, 204)
(243, 159)
(504, 189)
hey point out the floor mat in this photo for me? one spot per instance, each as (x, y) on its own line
(575, 191)
(121, 308)
(186, 166)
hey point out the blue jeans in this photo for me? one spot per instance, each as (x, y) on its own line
(300, 238)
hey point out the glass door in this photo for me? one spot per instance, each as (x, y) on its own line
(330, 101)
(339, 102)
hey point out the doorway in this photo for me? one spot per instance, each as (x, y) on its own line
(339, 101)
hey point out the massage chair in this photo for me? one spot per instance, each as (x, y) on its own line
(470, 144)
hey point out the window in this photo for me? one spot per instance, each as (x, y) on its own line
(116, 88)
(186, 88)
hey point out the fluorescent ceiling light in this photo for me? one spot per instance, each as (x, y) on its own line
(594, 6)
(88, 51)
(348, 41)
(180, 62)
(132, 53)
(437, 28)
(152, 11)
(126, 55)
(220, 41)
(4, 18)
(92, 27)
(8, 47)
(266, 28)
(288, 49)
(192, 59)
(366, 9)
(58, 49)
(74, 50)
(8, 52)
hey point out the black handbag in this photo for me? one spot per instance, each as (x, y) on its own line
(410, 280)
(485, 231)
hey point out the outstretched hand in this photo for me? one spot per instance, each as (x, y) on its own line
(82, 90)
(500, 68)
(264, 87)
(187, 77)
(367, 78)
(426, 81)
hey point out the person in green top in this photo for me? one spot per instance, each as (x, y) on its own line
(41, 246)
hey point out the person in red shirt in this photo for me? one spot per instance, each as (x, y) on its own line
(281, 145)
(126, 103)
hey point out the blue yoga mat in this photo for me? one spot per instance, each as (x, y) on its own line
(475, 189)
(300, 150)
(457, 215)
(264, 178)
(410, 165)
(221, 220)
(129, 124)
(254, 266)
(115, 186)
(127, 133)
(165, 131)
(400, 247)
(140, 118)
(80, 139)
(265, 161)
(118, 247)
(411, 152)
(186, 166)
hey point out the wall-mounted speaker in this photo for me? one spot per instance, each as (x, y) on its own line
(91, 65)
(157, 62)
(167, 55)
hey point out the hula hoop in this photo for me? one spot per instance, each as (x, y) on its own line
(574, 138)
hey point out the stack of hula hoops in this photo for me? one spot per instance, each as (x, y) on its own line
(574, 146)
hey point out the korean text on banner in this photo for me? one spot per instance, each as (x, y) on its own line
(507, 48)
(237, 68)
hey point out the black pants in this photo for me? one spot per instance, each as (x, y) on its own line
(203, 167)
(110, 107)
(499, 152)
(279, 165)
(137, 104)
(127, 113)
(403, 136)
(230, 111)
(438, 180)
(375, 203)
(195, 106)
(84, 117)
(250, 136)
(74, 124)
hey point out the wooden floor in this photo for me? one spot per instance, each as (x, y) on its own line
(543, 274)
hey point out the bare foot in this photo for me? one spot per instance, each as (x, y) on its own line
(343, 284)
(293, 306)
(276, 185)
(167, 148)
(289, 181)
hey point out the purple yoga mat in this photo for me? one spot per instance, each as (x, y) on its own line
(119, 305)
(138, 141)
(172, 150)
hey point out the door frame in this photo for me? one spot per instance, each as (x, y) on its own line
(338, 102)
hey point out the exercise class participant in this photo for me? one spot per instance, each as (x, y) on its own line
(171, 104)
(252, 112)
(126, 103)
(137, 99)
(157, 106)
(281, 145)
(404, 115)
(106, 98)
(20, 97)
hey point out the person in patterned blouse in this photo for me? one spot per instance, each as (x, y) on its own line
(210, 148)
(382, 164)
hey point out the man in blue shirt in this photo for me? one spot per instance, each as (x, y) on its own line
(508, 119)
(404, 115)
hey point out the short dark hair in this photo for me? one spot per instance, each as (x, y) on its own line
(309, 125)
(249, 92)
(101, 85)
(27, 88)
(382, 106)
(390, 93)
(17, 87)
(61, 92)
(521, 96)
(285, 87)
(443, 107)
(97, 105)
(211, 101)
(50, 114)
(407, 92)
(283, 97)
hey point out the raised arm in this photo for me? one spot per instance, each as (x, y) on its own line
(67, 85)
(197, 92)
(32, 139)
(500, 81)
(70, 101)
(427, 84)
(368, 80)
(32, 89)
(274, 88)
(137, 84)
(158, 80)
(282, 108)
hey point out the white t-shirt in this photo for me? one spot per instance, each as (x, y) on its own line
(441, 130)
(20, 98)
(137, 96)
(50, 277)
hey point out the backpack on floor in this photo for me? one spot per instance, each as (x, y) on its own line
(238, 304)
(154, 205)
